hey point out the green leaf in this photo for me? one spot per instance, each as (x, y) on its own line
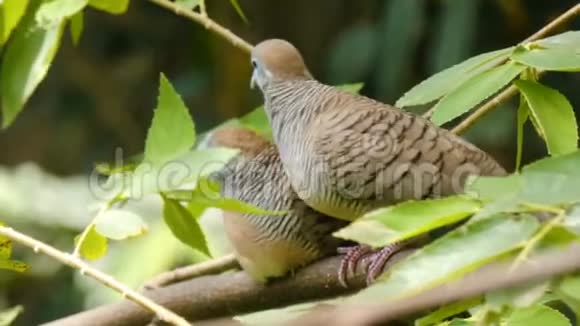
(239, 10)
(5, 247)
(387, 225)
(183, 225)
(447, 311)
(522, 117)
(25, 64)
(54, 12)
(94, 245)
(9, 315)
(456, 253)
(14, 265)
(568, 40)
(206, 195)
(172, 132)
(449, 79)
(550, 181)
(538, 315)
(110, 6)
(119, 224)
(76, 27)
(11, 11)
(473, 91)
(554, 59)
(351, 88)
(554, 115)
(570, 285)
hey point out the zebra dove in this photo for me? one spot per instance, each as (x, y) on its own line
(346, 154)
(269, 246)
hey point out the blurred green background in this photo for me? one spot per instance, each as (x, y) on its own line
(100, 95)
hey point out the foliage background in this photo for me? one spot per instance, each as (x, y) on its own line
(99, 95)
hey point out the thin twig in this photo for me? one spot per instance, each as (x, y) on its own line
(512, 90)
(214, 266)
(85, 269)
(206, 22)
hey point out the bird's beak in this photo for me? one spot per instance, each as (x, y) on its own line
(254, 80)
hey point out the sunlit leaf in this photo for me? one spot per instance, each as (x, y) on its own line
(76, 27)
(554, 115)
(110, 6)
(11, 11)
(119, 224)
(172, 132)
(474, 91)
(5, 247)
(203, 196)
(9, 315)
(572, 221)
(14, 265)
(25, 64)
(94, 245)
(449, 79)
(538, 315)
(555, 59)
(183, 225)
(456, 253)
(568, 40)
(387, 225)
(53, 12)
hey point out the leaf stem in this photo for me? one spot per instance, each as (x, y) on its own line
(85, 269)
(532, 243)
(206, 22)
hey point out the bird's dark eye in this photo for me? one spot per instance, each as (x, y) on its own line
(254, 63)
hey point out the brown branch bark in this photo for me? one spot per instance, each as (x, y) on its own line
(489, 278)
(227, 294)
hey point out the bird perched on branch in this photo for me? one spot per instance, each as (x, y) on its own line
(346, 154)
(269, 246)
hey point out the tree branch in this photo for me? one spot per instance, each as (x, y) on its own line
(205, 21)
(491, 277)
(214, 266)
(229, 294)
(107, 280)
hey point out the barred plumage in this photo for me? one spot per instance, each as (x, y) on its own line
(269, 246)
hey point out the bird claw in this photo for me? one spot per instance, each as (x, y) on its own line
(374, 261)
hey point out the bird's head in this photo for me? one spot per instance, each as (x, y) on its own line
(276, 59)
